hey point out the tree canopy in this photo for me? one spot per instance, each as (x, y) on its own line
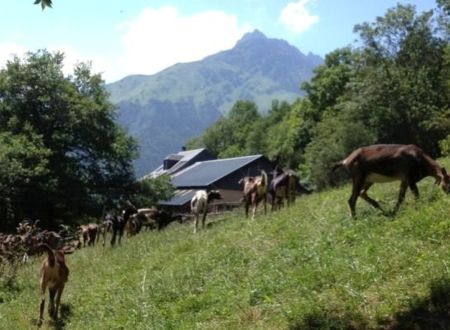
(61, 152)
(44, 3)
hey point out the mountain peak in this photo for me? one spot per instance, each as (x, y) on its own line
(255, 35)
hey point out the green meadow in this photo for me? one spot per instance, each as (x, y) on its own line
(309, 266)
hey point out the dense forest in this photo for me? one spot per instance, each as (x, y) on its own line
(392, 87)
(64, 157)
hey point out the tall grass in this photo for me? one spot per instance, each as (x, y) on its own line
(306, 267)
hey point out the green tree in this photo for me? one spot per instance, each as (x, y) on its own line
(335, 136)
(289, 134)
(75, 156)
(401, 87)
(330, 81)
(393, 89)
(237, 134)
(148, 192)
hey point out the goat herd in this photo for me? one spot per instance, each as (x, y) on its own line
(255, 190)
(31, 240)
(366, 165)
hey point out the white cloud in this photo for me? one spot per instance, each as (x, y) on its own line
(71, 57)
(296, 17)
(153, 41)
(159, 38)
(8, 50)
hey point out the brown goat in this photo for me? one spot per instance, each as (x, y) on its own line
(255, 190)
(89, 233)
(54, 274)
(282, 186)
(390, 162)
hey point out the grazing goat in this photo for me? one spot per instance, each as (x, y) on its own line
(54, 274)
(134, 224)
(390, 162)
(282, 186)
(153, 217)
(89, 233)
(114, 223)
(255, 190)
(199, 204)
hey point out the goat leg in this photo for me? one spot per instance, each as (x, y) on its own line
(58, 300)
(401, 196)
(41, 311)
(204, 217)
(196, 223)
(358, 183)
(42, 305)
(265, 204)
(368, 199)
(51, 304)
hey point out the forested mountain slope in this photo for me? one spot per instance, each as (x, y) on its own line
(164, 110)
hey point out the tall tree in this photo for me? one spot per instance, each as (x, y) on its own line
(60, 131)
(237, 134)
(401, 85)
(330, 81)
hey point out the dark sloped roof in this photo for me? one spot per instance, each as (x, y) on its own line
(202, 174)
(174, 157)
(183, 157)
(180, 198)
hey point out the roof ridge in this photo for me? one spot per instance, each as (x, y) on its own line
(230, 158)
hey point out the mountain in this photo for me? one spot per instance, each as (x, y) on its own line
(164, 110)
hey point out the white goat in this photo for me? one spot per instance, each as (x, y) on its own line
(199, 204)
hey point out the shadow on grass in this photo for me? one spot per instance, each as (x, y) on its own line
(65, 312)
(432, 312)
(328, 320)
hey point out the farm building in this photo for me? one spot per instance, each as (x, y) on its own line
(181, 160)
(221, 174)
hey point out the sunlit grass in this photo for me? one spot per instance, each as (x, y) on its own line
(309, 266)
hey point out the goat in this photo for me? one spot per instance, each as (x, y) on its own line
(53, 275)
(89, 233)
(199, 204)
(114, 223)
(134, 224)
(282, 186)
(155, 218)
(255, 190)
(390, 162)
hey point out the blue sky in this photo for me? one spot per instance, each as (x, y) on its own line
(145, 36)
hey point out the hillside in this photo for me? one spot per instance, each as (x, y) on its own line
(166, 109)
(307, 267)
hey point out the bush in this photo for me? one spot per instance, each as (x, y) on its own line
(335, 138)
(445, 146)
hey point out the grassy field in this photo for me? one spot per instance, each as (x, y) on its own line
(307, 267)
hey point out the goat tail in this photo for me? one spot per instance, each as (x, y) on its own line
(50, 252)
(264, 180)
(337, 165)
